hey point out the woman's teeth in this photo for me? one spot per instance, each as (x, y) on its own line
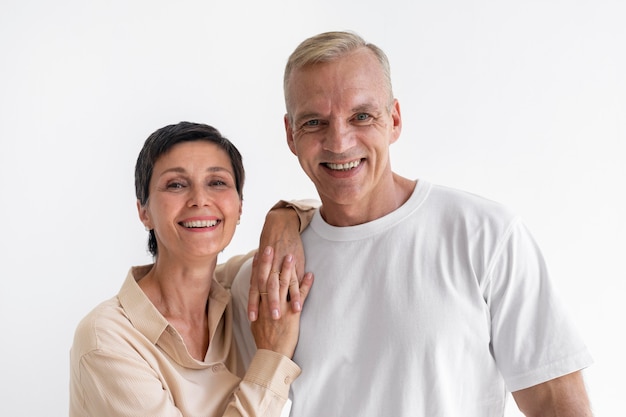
(200, 223)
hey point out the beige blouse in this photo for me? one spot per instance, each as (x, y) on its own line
(127, 360)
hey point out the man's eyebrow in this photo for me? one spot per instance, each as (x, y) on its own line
(365, 108)
(360, 108)
(307, 116)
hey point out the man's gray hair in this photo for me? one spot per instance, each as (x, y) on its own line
(329, 46)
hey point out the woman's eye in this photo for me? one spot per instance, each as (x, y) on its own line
(217, 183)
(175, 186)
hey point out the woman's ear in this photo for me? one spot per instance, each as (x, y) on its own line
(142, 210)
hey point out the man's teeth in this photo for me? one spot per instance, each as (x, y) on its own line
(200, 223)
(344, 167)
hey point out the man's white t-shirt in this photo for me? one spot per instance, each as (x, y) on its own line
(436, 309)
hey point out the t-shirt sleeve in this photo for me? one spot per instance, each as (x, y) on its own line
(533, 339)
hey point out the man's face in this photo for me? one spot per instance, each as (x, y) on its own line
(340, 124)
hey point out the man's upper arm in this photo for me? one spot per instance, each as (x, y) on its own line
(225, 273)
(565, 396)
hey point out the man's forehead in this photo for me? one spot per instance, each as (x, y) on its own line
(350, 103)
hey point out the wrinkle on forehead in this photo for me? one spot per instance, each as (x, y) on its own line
(349, 76)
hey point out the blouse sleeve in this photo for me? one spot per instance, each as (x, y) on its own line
(265, 387)
(123, 386)
(114, 384)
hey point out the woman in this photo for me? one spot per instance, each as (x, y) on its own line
(163, 346)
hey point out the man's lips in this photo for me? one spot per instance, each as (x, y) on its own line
(344, 166)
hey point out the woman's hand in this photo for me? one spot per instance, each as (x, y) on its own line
(279, 334)
(281, 236)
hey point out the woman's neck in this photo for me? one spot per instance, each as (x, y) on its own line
(181, 294)
(179, 290)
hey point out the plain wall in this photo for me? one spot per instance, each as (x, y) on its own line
(523, 102)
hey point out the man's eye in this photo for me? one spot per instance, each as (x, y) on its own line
(362, 116)
(313, 125)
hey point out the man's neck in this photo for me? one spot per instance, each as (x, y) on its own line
(373, 207)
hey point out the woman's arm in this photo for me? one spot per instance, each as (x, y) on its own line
(117, 372)
(119, 385)
(107, 383)
(265, 387)
(281, 232)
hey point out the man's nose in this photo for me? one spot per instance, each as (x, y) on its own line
(339, 137)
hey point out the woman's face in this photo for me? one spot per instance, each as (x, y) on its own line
(193, 206)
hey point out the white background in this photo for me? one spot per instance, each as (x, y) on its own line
(523, 102)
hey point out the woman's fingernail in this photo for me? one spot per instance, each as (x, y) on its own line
(275, 314)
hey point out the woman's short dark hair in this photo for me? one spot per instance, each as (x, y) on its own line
(161, 141)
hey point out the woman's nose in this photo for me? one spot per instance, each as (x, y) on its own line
(199, 197)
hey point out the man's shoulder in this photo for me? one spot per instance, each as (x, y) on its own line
(466, 202)
(241, 280)
(458, 211)
(226, 272)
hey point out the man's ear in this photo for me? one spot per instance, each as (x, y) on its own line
(396, 118)
(289, 133)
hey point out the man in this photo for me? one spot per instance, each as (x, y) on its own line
(428, 301)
